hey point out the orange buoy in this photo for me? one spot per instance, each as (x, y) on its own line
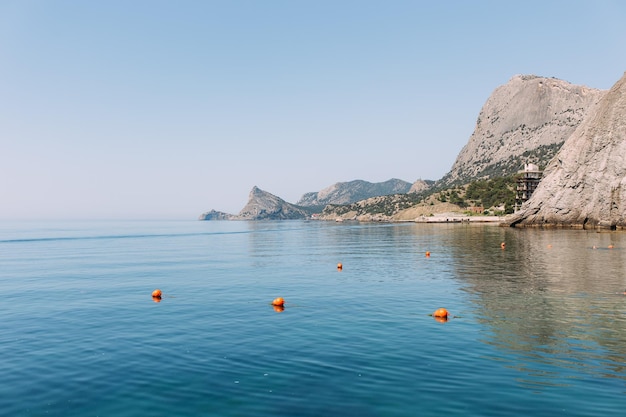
(427, 254)
(339, 266)
(280, 301)
(503, 245)
(156, 293)
(611, 246)
(441, 313)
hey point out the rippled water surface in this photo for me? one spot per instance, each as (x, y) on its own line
(539, 328)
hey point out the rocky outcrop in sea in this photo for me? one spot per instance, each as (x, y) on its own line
(262, 206)
(265, 206)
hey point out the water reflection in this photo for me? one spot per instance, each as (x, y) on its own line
(440, 319)
(548, 304)
(548, 297)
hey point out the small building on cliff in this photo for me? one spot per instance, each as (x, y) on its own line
(527, 181)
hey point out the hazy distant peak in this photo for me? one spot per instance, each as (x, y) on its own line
(263, 205)
(352, 191)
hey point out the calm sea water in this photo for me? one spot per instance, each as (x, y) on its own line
(539, 328)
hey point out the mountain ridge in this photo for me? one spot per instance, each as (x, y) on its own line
(528, 119)
(262, 205)
(353, 191)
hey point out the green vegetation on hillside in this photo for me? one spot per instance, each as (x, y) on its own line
(540, 156)
(496, 195)
(384, 205)
(492, 193)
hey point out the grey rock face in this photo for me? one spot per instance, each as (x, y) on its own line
(585, 184)
(352, 191)
(419, 186)
(216, 215)
(527, 119)
(261, 206)
(265, 206)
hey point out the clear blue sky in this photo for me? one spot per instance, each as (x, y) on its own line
(166, 109)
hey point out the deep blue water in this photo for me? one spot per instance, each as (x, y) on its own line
(539, 327)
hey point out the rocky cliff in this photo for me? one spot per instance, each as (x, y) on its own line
(585, 184)
(217, 215)
(261, 206)
(352, 191)
(420, 186)
(526, 119)
(265, 206)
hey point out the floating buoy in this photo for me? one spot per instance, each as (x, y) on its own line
(427, 254)
(503, 245)
(156, 293)
(441, 313)
(611, 246)
(339, 266)
(280, 301)
(549, 246)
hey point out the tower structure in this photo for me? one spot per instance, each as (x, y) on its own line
(527, 181)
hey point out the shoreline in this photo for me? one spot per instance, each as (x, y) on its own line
(459, 219)
(439, 218)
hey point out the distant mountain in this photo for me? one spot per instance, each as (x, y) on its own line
(525, 120)
(420, 186)
(584, 186)
(265, 206)
(217, 215)
(352, 191)
(528, 119)
(262, 206)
